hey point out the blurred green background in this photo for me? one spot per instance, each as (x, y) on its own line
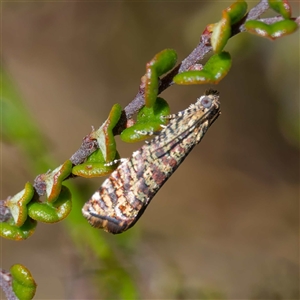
(226, 225)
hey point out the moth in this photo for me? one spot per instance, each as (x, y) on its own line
(124, 196)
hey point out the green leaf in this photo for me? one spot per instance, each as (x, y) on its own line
(221, 33)
(272, 31)
(23, 283)
(154, 114)
(48, 212)
(10, 231)
(149, 120)
(95, 166)
(213, 71)
(90, 170)
(104, 135)
(282, 7)
(237, 11)
(18, 204)
(55, 179)
(161, 63)
(96, 156)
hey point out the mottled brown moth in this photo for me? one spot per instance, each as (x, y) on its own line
(124, 196)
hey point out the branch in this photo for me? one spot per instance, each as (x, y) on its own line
(194, 57)
(258, 10)
(6, 285)
(5, 213)
(204, 47)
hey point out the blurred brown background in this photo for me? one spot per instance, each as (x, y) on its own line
(227, 223)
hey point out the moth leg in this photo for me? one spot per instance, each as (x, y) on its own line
(169, 117)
